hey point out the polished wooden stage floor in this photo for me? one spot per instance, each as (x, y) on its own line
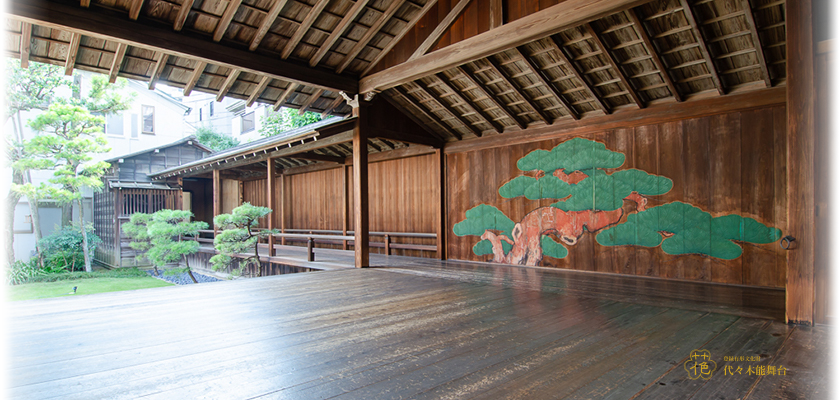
(433, 331)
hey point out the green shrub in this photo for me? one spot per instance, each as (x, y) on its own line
(22, 272)
(62, 251)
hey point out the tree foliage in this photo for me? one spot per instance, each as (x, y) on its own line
(63, 248)
(26, 89)
(160, 236)
(286, 119)
(214, 140)
(68, 137)
(239, 237)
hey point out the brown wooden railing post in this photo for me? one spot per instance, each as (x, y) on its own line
(387, 245)
(269, 194)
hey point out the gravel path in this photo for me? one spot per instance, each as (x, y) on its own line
(183, 278)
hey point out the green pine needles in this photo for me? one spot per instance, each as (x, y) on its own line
(238, 237)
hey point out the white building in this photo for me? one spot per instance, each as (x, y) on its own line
(154, 119)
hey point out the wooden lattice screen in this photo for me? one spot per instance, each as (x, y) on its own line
(147, 201)
(104, 226)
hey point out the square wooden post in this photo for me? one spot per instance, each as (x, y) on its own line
(440, 199)
(283, 207)
(800, 287)
(269, 196)
(217, 199)
(345, 169)
(361, 245)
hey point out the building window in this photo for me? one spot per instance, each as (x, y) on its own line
(248, 122)
(134, 124)
(114, 125)
(148, 120)
(211, 109)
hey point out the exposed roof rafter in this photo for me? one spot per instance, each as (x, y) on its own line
(518, 90)
(258, 91)
(439, 30)
(186, 6)
(704, 48)
(363, 41)
(339, 29)
(484, 91)
(468, 104)
(224, 21)
(72, 53)
(558, 51)
(640, 30)
(545, 80)
(427, 90)
(304, 26)
(266, 23)
(615, 66)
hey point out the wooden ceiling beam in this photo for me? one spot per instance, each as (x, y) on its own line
(558, 51)
(484, 91)
(516, 89)
(312, 156)
(375, 147)
(439, 30)
(116, 63)
(405, 137)
(25, 44)
(426, 89)
(315, 96)
(615, 66)
(475, 109)
(224, 21)
(304, 26)
(545, 80)
(267, 22)
(704, 48)
(231, 79)
(286, 93)
(197, 71)
(393, 42)
(374, 28)
(335, 103)
(134, 9)
(762, 62)
(258, 91)
(72, 53)
(186, 6)
(527, 29)
(112, 25)
(160, 64)
(640, 30)
(427, 113)
(348, 18)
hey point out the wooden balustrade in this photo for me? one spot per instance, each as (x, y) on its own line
(336, 237)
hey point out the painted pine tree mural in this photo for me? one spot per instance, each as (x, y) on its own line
(583, 176)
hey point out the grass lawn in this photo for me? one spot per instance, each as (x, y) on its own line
(42, 290)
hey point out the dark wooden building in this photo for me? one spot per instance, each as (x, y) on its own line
(671, 139)
(129, 189)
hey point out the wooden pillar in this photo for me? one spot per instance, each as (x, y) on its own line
(217, 199)
(800, 287)
(283, 207)
(440, 199)
(346, 214)
(269, 197)
(361, 229)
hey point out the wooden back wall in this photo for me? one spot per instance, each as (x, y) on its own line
(731, 163)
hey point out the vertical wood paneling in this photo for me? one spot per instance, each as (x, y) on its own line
(230, 195)
(722, 164)
(824, 64)
(401, 199)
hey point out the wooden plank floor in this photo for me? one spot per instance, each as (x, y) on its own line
(383, 333)
(703, 296)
